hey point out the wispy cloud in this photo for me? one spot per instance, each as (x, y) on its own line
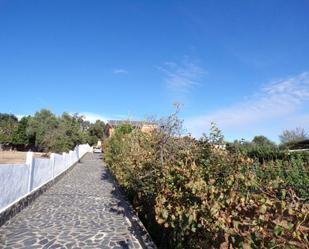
(92, 117)
(278, 100)
(20, 116)
(120, 71)
(182, 77)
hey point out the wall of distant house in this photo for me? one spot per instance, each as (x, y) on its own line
(148, 127)
(19, 180)
(145, 127)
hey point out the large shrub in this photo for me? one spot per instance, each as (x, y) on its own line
(191, 194)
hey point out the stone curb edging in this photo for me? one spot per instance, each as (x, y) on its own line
(142, 234)
(10, 212)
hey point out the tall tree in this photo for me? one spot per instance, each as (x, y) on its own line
(47, 132)
(40, 125)
(96, 132)
(296, 135)
(8, 124)
(263, 141)
(20, 135)
(69, 133)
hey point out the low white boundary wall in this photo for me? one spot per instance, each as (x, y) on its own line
(19, 180)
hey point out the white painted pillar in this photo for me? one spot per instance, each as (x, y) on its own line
(71, 158)
(65, 159)
(52, 164)
(77, 152)
(30, 163)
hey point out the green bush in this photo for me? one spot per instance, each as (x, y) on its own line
(294, 173)
(46, 132)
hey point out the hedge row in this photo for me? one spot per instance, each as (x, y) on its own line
(190, 194)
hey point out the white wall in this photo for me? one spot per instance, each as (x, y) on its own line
(42, 172)
(59, 164)
(19, 180)
(13, 183)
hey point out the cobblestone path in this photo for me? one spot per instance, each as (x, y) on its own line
(82, 210)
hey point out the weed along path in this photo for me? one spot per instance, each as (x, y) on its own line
(84, 209)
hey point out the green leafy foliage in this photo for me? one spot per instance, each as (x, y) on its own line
(8, 124)
(67, 134)
(260, 148)
(46, 132)
(294, 173)
(20, 135)
(40, 125)
(95, 131)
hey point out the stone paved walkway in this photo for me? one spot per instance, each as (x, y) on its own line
(82, 210)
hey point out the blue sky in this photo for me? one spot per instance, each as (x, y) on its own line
(243, 64)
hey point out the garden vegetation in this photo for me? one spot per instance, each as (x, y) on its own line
(45, 132)
(193, 193)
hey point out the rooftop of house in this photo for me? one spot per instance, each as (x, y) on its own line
(304, 144)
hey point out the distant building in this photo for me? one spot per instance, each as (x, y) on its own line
(299, 146)
(144, 126)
